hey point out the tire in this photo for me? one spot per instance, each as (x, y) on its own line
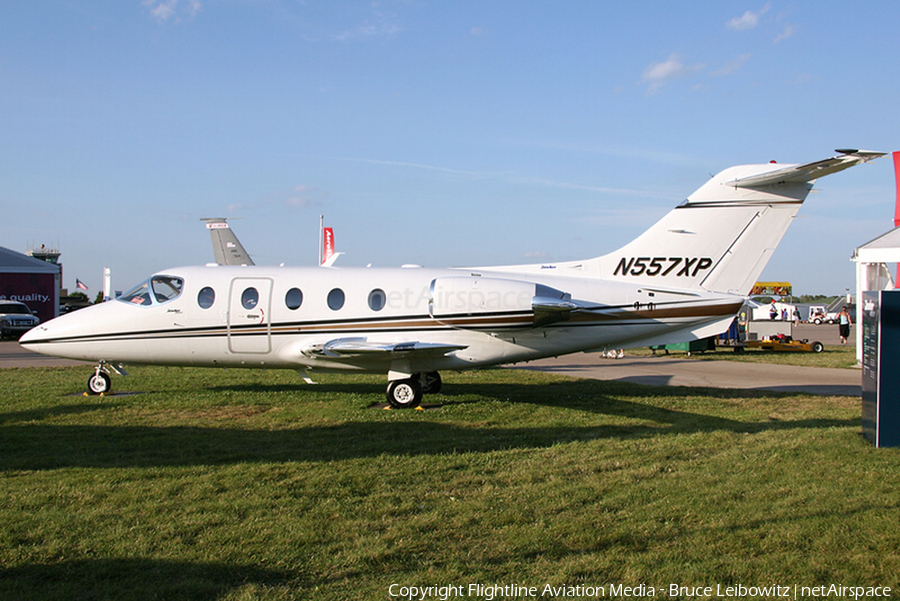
(430, 382)
(404, 394)
(99, 383)
(817, 321)
(817, 347)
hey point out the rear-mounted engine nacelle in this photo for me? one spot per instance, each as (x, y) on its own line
(476, 302)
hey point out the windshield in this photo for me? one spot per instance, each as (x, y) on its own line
(14, 309)
(160, 289)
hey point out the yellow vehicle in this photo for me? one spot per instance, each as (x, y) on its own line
(785, 343)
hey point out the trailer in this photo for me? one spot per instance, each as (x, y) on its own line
(786, 343)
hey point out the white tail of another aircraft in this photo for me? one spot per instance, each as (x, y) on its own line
(722, 236)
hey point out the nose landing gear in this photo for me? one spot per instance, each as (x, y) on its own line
(100, 383)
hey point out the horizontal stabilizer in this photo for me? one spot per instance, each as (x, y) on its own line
(807, 172)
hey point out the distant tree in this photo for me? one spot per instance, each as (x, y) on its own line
(819, 299)
(78, 296)
(99, 298)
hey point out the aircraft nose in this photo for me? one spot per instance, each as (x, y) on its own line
(32, 335)
(54, 336)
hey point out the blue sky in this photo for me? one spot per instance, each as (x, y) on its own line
(438, 133)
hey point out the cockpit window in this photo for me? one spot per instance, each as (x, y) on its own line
(160, 289)
(166, 288)
(139, 295)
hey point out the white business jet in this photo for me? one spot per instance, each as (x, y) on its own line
(683, 279)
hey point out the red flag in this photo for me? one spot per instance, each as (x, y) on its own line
(327, 243)
(80, 285)
(897, 178)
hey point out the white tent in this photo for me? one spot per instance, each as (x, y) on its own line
(872, 273)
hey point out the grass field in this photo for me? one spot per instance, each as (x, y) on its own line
(211, 484)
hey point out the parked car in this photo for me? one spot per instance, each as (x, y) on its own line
(818, 315)
(16, 318)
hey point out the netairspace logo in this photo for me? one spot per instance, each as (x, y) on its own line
(492, 592)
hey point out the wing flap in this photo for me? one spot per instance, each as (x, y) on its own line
(349, 348)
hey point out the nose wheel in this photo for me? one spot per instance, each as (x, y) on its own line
(99, 382)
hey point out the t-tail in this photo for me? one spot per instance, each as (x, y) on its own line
(722, 236)
(227, 249)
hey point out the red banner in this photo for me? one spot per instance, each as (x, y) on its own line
(327, 243)
(897, 178)
(40, 291)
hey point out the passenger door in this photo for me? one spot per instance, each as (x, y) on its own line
(249, 315)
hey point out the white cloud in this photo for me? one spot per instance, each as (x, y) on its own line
(300, 196)
(659, 74)
(379, 26)
(785, 34)
(164, 10)
(416, 166)
(748, 20)
(731, 66)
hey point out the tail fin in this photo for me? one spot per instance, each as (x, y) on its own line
(226, 247)
(722, 236)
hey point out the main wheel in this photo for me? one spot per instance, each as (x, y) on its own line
(404, 394)
(99, 383)
(431, 382)
(817, 347)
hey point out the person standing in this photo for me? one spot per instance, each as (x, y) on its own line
(844, 324)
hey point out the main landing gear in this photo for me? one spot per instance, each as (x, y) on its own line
(407, 393)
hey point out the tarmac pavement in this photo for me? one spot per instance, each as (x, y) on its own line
(671, 370)
(14, 355)
(667, 370)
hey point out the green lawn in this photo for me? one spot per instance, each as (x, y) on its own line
(212, 484)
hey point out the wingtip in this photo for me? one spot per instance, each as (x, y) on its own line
(866, 155)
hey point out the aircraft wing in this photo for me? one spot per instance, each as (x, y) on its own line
(350, 348)
(226, 247)
(807, 172)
